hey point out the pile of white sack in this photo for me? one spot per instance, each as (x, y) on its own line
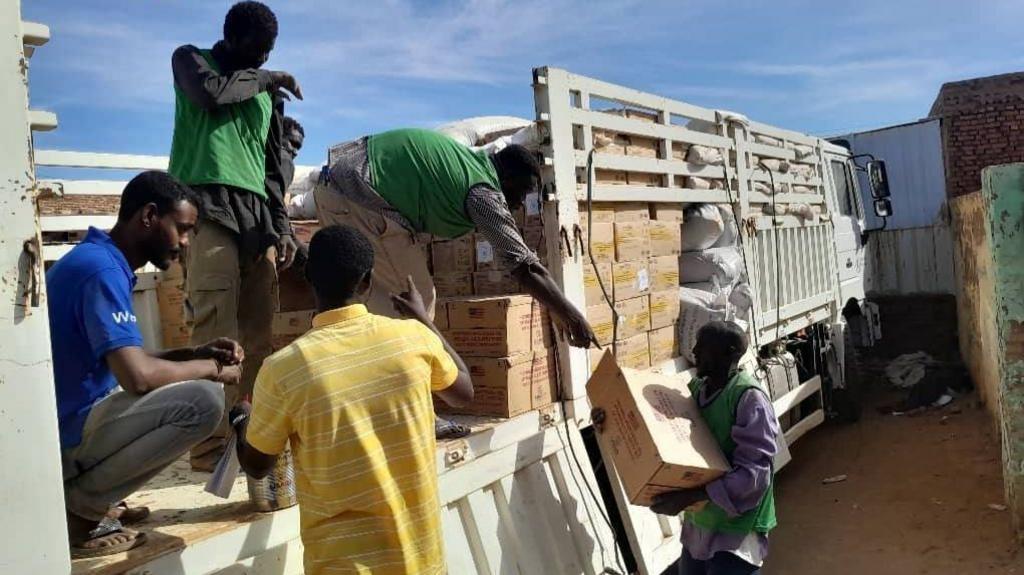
(492, 133)
(712, 273)
(300, 204)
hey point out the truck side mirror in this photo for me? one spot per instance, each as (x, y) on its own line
(883, 207)
(879, 179)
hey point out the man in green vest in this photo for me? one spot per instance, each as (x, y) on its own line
(228, 147)
(728, 534)
(396, 185)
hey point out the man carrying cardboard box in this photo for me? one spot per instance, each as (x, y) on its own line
(729, 534)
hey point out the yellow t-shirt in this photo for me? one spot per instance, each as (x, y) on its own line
(353, 398)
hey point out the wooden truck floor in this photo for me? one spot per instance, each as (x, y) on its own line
(182, 516)
(191, 531)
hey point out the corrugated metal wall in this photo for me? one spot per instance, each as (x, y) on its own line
(913, 158)
(914, 254)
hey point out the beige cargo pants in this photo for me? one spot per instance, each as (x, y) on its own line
(230, 298)
(398, 254)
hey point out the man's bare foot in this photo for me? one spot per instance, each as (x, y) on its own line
(96, 539)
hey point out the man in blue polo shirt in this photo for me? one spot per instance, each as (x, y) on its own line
(124, 413)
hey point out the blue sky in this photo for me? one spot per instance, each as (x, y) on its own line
(817, 67)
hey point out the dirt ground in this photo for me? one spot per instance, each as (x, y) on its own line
(915, 501)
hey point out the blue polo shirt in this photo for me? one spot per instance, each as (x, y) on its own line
(89, 293)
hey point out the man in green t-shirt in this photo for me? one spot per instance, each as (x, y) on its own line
(228, 147)
(396, 185)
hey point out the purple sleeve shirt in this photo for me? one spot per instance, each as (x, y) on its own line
(755, 432)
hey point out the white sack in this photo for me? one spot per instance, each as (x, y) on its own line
(702, 226)
(722, 266)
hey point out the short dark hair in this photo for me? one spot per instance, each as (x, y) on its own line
(154, 187)
(339, 258)
(288, 123)
(516, 161)
(250, 17)
(726, 335)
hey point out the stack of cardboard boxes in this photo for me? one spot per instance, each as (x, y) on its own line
(506, 344)
(635, 247)
(503, 337)
(470, 265)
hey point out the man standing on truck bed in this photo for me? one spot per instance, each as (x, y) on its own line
(228, 147)
(353, 398)
(115, 440)
(394, 185)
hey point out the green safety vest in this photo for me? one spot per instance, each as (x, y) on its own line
(426, 175)
(223, 146)
(720, 416)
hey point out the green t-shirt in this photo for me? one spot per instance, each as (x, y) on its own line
(223, 146)
(426, 176)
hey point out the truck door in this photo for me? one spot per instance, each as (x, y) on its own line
(848, 218)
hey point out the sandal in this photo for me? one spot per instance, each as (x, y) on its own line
(107, 528)
(130, 515)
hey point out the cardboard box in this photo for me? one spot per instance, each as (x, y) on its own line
(171, 297)
(632, 241)
(653, 432)
(453, 255)
(288, 326)
(664, 308)
(664, 344)
(631, 212)
(666, 238)
(497, 326)
(495, 283)
(630, 279)
(532, 210)
(646, 179)
(634, 317)
(294, 293)
(601, 321)
(610, 177)
(634, 352)
(485, 258)
(544, 384)
(602, 241)
(509, 386)
(592, 293)
(453, 284)
(600, 213)
(667, 212)
(664, 273)
(441, 315)
(534, 238)
(643, 147)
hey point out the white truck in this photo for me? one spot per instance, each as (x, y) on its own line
(528, 495)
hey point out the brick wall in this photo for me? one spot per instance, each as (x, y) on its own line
(981, 126)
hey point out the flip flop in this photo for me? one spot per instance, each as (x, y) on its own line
(106, 528)
(131, 515)
(448, 429)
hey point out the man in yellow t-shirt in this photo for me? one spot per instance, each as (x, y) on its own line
(353, 398)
